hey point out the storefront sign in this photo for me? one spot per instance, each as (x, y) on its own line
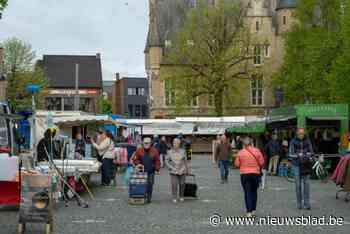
(72, 92)
(331, 110)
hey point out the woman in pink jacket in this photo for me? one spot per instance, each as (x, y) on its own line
(250, 161)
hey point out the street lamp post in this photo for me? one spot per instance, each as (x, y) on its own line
(33, 89)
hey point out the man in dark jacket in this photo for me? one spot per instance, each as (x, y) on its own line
(148, 157)
(299, 149)
(47, 146)
(163, 149)
(223, 152)
(272, 150)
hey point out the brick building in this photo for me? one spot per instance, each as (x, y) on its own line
(60, 71)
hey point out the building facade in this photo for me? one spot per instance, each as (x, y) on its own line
(130, 97)
(63, 72)
(268, 21)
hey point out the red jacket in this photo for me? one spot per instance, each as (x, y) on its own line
(153, 154)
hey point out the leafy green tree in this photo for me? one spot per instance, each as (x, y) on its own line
(3, 4)
(209, 54)
(21, 71)
(311, 47)
(103, 106)
(340, 76)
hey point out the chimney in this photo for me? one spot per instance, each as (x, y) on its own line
(98, 56)
(117, 76)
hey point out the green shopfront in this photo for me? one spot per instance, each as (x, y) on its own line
(325, 123)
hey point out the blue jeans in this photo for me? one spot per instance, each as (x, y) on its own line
(150, 182)
(250, 184)
(223, 165)
(302, 188)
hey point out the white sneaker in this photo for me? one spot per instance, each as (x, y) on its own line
(249, 215)
(182, 200)
(174, 201)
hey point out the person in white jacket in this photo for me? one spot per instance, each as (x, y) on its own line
(105, 149)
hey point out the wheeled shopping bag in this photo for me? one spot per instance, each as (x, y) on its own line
(138, 187)
(191, 188)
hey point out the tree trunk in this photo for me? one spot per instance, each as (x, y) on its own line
(218, 101)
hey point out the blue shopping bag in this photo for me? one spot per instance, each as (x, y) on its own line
(127, 175)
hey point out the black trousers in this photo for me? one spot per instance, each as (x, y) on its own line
(106, 171)
(250, 184)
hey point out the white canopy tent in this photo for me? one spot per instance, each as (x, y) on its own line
(65, 120)
(184, 125)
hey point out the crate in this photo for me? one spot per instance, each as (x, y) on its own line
(137, 201)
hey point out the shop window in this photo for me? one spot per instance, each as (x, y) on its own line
(85, 104)
(137, 110)
(131, 110)
(53, 103)
(68, 103)
(257, 95)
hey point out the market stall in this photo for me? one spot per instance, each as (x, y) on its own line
(327, 126)
(327, 121)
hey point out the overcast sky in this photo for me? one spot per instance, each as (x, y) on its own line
(115, 28)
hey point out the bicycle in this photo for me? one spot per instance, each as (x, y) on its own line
(317, 167)
(320, 170)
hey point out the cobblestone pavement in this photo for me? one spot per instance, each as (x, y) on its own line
(110, 212)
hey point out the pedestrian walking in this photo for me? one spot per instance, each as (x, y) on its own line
(273, 150)
(105, 148)
(223, 152)
(148, 156)
(214, 145)
(176, 161)
(250, 160)
(300, 152)
(163, 148)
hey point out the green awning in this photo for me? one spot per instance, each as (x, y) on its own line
(249, 128)
(323, 111)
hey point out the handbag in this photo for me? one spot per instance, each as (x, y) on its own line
(305, 166)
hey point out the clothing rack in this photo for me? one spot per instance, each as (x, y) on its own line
(346, 185)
